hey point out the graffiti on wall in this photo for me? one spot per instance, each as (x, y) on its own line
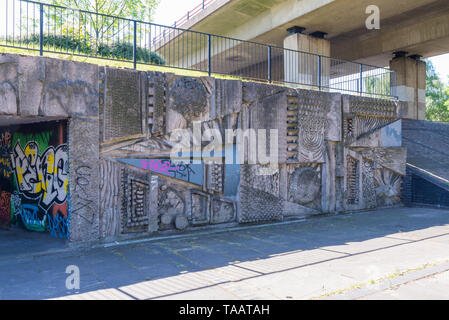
(5, 145)
(5, 207)
(36, 166)
(184, 171)
(42, 177)
(5, 177)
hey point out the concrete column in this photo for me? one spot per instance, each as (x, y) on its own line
(411, 86)
(303, 68)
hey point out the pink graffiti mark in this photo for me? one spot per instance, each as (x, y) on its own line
(161, 166)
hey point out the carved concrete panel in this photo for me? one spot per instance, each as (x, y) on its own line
(268, 113)
(187, 100)
(171, 203)
(200, 213)
(124, 107)
(257, 205)
(304, 185)
(215, 177)
(352, 179)
(307, 122)
(110, 198)
(157, 98)
(228, 98)
(222, 210)
(388, 187)
(363, 115)
(135, 207)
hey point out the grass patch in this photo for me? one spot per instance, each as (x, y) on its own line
(372, 281)
(31, 51)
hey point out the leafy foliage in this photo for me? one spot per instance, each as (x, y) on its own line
(121, 51)
(437, 96)
(134, 9)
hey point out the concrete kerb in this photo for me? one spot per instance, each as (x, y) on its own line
(195, 234)
(389, 282)
(85, 246)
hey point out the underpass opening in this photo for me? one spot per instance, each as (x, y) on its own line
(34, 178)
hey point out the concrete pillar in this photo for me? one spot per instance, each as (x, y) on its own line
(411, 86)
(303, 68)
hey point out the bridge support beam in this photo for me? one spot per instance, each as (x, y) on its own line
(301, 67)
(411, 86)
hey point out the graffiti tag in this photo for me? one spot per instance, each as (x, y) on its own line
(5, 207)
(161, 166)
(32, 218)
(43, 177)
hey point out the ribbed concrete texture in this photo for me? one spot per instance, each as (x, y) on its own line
(298, 153)
(427, 179)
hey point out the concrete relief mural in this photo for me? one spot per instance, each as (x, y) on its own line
(200, 208)
(186, 171)
(305, 186)
(374, 158)
(171, 204)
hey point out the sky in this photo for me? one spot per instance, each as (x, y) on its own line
(169, 11)
(441, 64)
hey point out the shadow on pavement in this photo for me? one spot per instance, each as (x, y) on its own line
(164, 268)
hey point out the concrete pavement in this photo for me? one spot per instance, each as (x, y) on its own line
(325, 257)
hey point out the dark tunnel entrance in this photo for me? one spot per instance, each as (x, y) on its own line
(34, 179)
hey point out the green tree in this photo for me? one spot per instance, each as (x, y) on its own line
(437, 96)
(377, 84)
(133, 9)
(103, 27)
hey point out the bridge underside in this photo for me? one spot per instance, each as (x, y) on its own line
(418, 27)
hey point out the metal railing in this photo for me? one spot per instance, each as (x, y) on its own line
(191, 13)
(31, 25)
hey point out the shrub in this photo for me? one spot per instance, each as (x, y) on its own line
(63, 43)
(121, 50)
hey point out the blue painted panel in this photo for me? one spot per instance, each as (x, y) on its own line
(184, 170)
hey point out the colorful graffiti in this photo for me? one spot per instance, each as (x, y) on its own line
(5, 207)
(44, 177)
(36, 166)
(5, 177)
(184, 171)
(157, 165)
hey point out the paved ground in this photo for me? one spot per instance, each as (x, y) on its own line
(434, 287)
(354, 256)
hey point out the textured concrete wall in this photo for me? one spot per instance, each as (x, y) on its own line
(335, 153)
(37, 89)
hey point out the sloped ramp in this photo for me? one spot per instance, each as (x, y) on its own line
(427, 172)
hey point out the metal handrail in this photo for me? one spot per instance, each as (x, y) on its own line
(58, 29)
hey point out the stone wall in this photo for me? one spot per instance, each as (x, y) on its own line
(36, 89)
(334, 153)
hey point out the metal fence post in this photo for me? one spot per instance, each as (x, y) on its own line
(135, 45)
(203, 4)
(41, 29)
(319, 73)
(361, 78)
(269, 64)
(209, 59)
